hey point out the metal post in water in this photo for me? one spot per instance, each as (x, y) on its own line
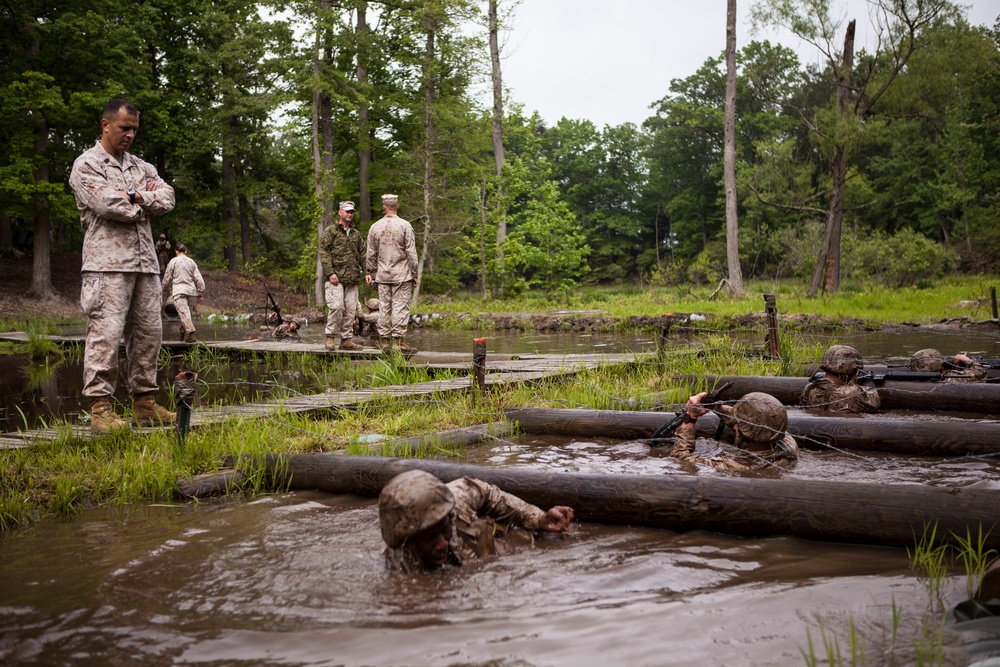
(772, 324)
(479, 363)
(993, 300)
(185, 394)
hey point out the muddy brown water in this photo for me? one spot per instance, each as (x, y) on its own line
(298, 579)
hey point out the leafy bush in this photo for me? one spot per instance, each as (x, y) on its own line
(899, 260)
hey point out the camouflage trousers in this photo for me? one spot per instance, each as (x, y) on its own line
(117, 305)
(394, 308)
(184, 305)
(342, 300)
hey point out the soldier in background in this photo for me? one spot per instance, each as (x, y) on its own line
(392, 265)
(184, 282)
(163, 254)
(838, 390)
(118, 194)
(427, 523)
(342, 255)
(954, 370)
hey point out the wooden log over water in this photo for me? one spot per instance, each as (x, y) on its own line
(210, 484)
(895, 435)
(450, 439)
(923, 396)
(882, 514)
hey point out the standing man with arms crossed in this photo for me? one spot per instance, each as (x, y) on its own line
(117, 194)
(342, 254)
(392, 263)
(183, 279)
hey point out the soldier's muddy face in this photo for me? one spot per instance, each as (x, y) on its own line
(431, 544)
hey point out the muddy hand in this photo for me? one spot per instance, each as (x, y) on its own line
(556, 520)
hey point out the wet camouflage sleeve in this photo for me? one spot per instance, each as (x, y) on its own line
(342, 254)
(784, 452)
(392, 251)
(117, 235)
(848, 398)
(973, 373)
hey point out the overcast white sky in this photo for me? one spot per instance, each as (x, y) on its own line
(609, 60)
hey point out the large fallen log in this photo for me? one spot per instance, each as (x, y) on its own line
(923, 396)
(884, 514)
(895, 435)
(455, 438)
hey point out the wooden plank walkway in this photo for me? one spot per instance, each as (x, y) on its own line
(501, 370)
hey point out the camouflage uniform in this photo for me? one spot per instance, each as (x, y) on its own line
(480, 511)
(392, 262)
(932, 361)
(844, 362)
(121, 291)
(163, 252)
(761, 418)
(342, 252)
(184, 280)
(284, 330)
(851, 397)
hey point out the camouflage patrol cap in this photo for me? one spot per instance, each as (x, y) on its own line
(372, 303)
(347, 206)
(761, 417)
(842, 359)
(927, 360)
(390, 200)
(411, 502)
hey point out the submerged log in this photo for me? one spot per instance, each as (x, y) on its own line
(895, 435)
(450, 439)
(923, 396)
(894, 515)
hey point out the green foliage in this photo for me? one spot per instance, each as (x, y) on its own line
(899, 260)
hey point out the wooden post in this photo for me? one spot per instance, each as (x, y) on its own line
(993, 300)
(479, 363)
(661, 342)
(185, 393)
(772, 324)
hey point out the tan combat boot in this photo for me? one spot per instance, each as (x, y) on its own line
(189, 337)
(146, 412)
(384, 344)
(103, 419)
(397, 343)
(349, 345)
(331, 343)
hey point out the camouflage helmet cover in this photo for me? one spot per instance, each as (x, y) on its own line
(928, 360)
(761, 417)
(842, 359)
(372, 303)
(411, 502)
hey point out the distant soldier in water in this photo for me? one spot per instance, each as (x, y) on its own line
(427, 523)
(287, 329)
(759, 421)
(953, 370)
(838, 390)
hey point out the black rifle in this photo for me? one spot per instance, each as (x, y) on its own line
(274, 307)
(711, 399)
(880, 378)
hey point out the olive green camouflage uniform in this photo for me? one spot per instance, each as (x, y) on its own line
(342, 252)
(121, 293)
(851, 397)
(481, 511)
(392, 263)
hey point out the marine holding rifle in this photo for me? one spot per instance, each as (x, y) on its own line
(957, 369)
(759, 421)
(838, 389)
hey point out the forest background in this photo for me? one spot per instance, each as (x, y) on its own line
(263, 115)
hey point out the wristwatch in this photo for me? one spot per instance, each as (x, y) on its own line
(131, 195)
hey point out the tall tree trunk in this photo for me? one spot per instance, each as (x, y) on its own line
(498, 151)
(429, 81)
(317, 167)
(364, 130)
(244, 213)
(41, 270)
(229, 212)
(322, 133)
(732, 221)
(482, 238)
(6, 236)
(828, 261)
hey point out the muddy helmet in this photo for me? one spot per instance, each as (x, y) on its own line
(411, 502)
(927, 361)
(761, 417)
(372, 304)
(842, 360)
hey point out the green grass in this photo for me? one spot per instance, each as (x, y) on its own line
(872, 303)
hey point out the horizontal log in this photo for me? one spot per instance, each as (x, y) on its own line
(923, 396)
(881, 433)
(210, 484)
(883, 514)
(450, 439)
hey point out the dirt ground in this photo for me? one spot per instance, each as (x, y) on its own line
(225, 292)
